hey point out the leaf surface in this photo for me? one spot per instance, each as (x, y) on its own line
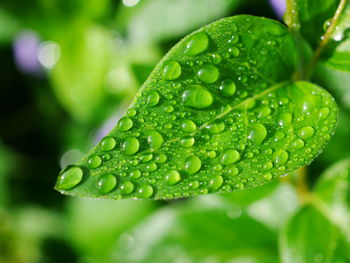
(299, 245)
(217, 114)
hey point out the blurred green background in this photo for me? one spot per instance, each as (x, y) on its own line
(68, 70)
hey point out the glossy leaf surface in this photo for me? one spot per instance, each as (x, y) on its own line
(217, 114)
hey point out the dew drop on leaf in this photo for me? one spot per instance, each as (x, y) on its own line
(135, 174)
(306, 132)
(216, 182)
(153, 98)
(154, 139)
(257, 133)
(280, 157)
(187, 141)
(227, 87)
(172, 177)
(126, 187)
(108, 143)
(106, 183)
(323, 113)
(196, 44)
(230, 156)
(161, 158)
(94, 161)
(208, 74)
(70, 178)
(297, 144)
(216, 127)
(192, 164)
(130, 146)
(188, 126)
(171, 70)
(197, 97)
(125, 123)
(145, 191)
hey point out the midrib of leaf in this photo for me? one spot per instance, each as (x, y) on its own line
(242, 103)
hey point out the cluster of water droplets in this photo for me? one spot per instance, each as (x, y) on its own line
(204, 124)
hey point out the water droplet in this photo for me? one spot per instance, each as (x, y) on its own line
(94, 161)
(233, 51)
(257, 133)
(306, 132)
(263, 111)
(216, 182)
(194, 185)
(154, 139)
(208, 74)
(70, 178)
(230, 156)
(125, 124)
(135, 174)
(216, 127)
(267, 176)
(130, 146)
(297, 144)
(197, 97)
(131, 112)
(227, 87)
(216, 58)
(106, 157)
(151, 167)
(153, 98)
(234, 39)
(172, 177)
(280, 157)
(188, 126)
(171, 70)
(267, 166)
(146, 157)
(285, 119)
(145, 191)
(323, 113)
(211, 154)
(240, 186)
(192, 165)
(126, 188)
(196, 44)
(168, 108)
(106, 183)
(279, 136)
(187, 141)
(161, 158)
(232, 171)
(108, 143)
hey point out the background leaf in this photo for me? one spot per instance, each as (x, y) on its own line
(298, 244)
(222, 132)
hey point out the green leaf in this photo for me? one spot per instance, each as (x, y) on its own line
(217, 114)
(313, 16)
(299, 245)
(202, 230)
(333, 189)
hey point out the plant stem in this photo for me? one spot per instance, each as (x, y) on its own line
(291, 16)
(325, 38)
(302, 186)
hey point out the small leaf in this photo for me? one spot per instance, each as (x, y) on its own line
(189, 132)
(299, 245)
(186, 232)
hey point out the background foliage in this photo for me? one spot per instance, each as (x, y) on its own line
(68, 71)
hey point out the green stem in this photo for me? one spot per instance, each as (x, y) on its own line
(325, 38)
(291, 16)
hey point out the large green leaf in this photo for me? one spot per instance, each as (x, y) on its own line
(202, 230)
(310, 237)
(217, 114)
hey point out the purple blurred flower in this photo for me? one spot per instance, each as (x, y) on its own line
(25, 48)
(279, 6)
